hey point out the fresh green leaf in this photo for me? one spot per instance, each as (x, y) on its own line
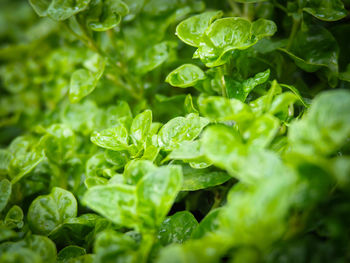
(327, 10)
(177, 228)
(185, 76)
(58, 10)
(180, 129)
(191, 30)
(113, 138)
(48, 211)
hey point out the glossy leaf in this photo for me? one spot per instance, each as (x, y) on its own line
(110, 245)
(118, 159)
(185, 76)
(189, 106)
(262, 131)
(70, 252)
(191, 30)
(58, 143)
(156, 193)
(115, 202)
(105, 14)
(240, 90)
(27, 156)
(141, 126)
(219, 142)
(58, 10)
(210, 223)
(74, 230)
(223, 109)
(48, 211)
(325, 128)
(228, 34)
(135, 170)
(327, 10)
(84, 81)
(180, 129)
(113, 138)
(313, 49)
(197, 179)
(153, 57)
(177, 228)
(14, 217)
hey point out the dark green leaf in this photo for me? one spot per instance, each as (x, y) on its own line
(177, 228)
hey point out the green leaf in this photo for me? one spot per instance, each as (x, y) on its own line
(191, 30)
(70, 252)
(197, 179)
(156, 192)
(180, 129)
(14, 217)
(240, 90)
(58, 143)
(115, 139)
(5, 193)
(74, 230)
(22, 255)
(153, 57)
(223, 109)
(6, 234)
(219, 143)
(228, 34)
(27, 155)
(103, 15)
(189, 107)
(249, 1)
(110, 245)
(187, 150)
(57, 9)
(327, 10)
(177, 228)
(209, 224)
(5, 159)
(43, 246)
(262, 131)
(115, 202)
(97, 165)
(135, 170)
(313, 49)
(84, 81)
(88, 258)
(185, 76)
(140, 127)
(325, 127)
(117, 159)
(48, 211)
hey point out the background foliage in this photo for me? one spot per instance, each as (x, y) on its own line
(174, 131)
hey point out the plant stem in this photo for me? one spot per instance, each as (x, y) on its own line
(246, 11)
(295, 27)
(222, 80)
(235, 8)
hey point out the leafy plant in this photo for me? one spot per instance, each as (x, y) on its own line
(174, 131)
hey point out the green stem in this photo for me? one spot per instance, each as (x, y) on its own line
(235, 8)
(280, 6)
(222, 80)
(246, 11)
(295, 27)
